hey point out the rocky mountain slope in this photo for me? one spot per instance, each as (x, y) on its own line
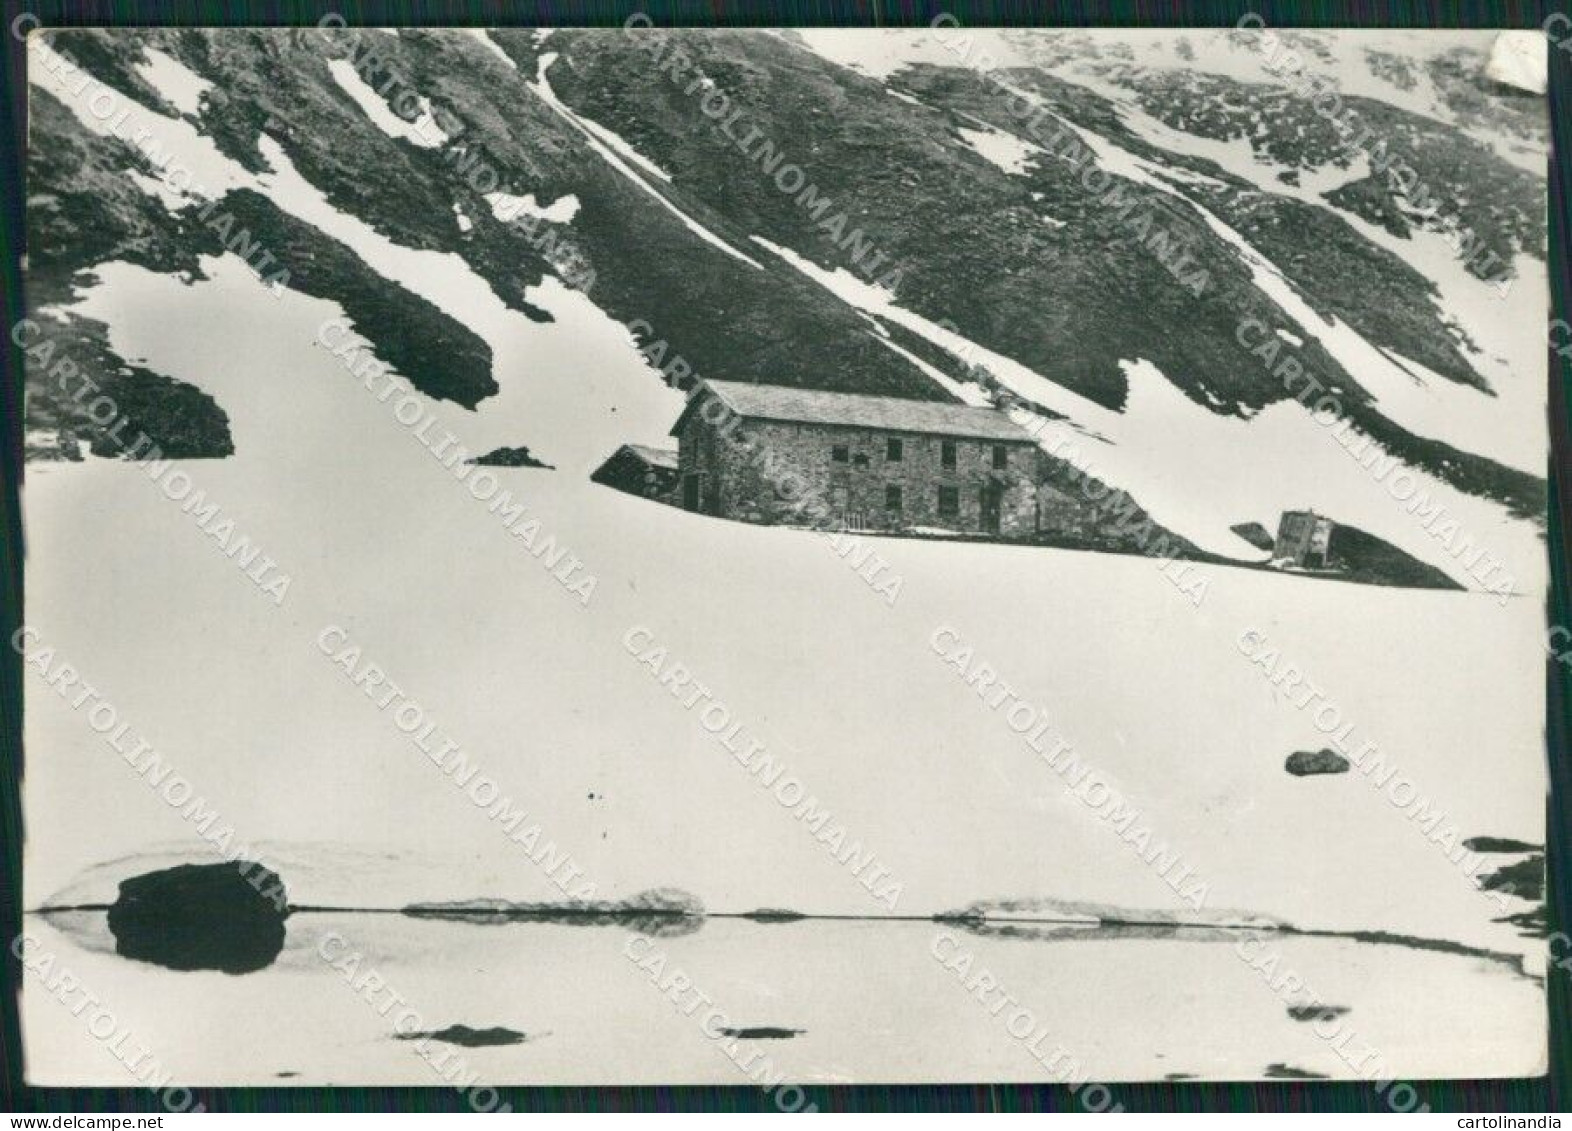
(756, 207)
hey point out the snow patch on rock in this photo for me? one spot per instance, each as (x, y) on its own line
(176, 83)
(483, 35)
(1005, 150)
(1518, 58)
(508, 208)
(201, 169)
(423, 131)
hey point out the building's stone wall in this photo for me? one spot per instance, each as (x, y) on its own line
(768, 480)
(698, 451)
(1059, 512)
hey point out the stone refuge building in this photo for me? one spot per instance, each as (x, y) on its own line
(877, 463)
(1305, 538)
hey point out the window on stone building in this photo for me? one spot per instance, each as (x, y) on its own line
(892, 450)
(946, 453)
(840, 453)
(892, 497)
(949, 502)
(1001, 456)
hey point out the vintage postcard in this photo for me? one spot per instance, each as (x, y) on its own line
(784, 557)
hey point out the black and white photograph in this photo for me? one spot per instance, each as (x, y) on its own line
(786, 557)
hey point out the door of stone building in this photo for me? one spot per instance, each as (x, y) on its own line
(992, 498)
(840, 504)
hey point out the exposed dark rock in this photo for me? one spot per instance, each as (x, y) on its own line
(763, 1033)
(1319, 252)
(1535, 922)
(1375, 561)
(509, 457)
(1316, 1012)
(1255, 534)
(84, 210)
(1302, 763)
(227, 917)
(182, 420)
(1524, 879)
(1288, 1072)
(1499, 844)
(1443, 155)
(469, 1038)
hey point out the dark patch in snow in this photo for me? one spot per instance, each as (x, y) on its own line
(1524, 879)
(509, 457)
(227, 917)
(467, 1037)
(1304, 763)
(1499, 844)
(763, 1033)
(1316, 1012)
(1288, 1072)
(1534, 922)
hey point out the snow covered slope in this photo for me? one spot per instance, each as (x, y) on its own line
(545, 696)
(846, 691)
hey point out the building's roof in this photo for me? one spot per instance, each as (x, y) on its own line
(657, 457)
(856, 410)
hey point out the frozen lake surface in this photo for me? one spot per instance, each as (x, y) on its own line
(870, 1002)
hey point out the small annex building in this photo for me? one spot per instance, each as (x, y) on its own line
(640, 470)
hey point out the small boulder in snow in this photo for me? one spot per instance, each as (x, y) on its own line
(1302, 763)
(466, 1037)
(227, 917)
(509, 457)
(1316, 1011)
(1500, 844)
